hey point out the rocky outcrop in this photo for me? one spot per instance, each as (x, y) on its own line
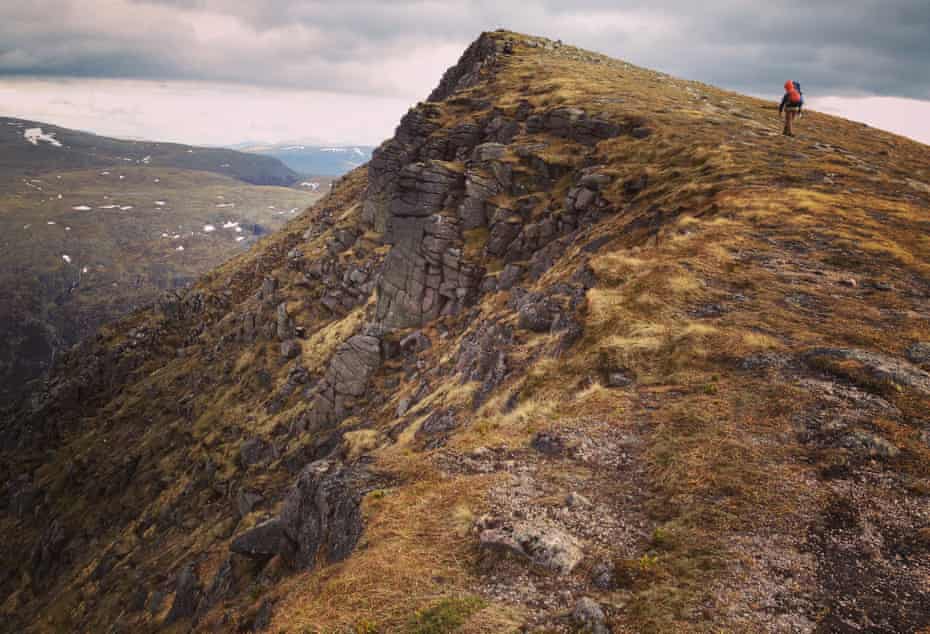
(346, 380)
(871, 369)
(477, 59)
(424, 274)
(574, 124)
(483, 358)
(320, 520)
(389, 159)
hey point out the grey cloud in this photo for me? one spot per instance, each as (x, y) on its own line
(400, 48)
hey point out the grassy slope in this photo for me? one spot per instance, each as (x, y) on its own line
(717, 488)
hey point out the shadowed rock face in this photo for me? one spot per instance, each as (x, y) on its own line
(321, 518)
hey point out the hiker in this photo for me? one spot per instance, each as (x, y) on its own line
(791, 105)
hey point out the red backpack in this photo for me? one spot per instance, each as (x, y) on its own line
(794, 97)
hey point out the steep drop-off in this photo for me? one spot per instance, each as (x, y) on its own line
(583, 346)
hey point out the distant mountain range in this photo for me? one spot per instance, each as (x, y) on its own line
(315, 160)
(30, 145)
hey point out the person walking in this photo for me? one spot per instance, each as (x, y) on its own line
(791, 104)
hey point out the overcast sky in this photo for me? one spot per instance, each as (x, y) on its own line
(229, 71)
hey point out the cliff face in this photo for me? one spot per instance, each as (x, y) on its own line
(583, 346)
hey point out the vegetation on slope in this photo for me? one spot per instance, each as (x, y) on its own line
(683, 388)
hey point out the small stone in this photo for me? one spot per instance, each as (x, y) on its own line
(290, 349)
(618, 379)
(544, 545)
(603, 576)
(253, 451)
(548, 443)
(851, 282)
(874, 444)
(919, 352)
(263, 617)
(576, 500)
(415, 342)
(246, 501)
(588, 614)
(480, 453)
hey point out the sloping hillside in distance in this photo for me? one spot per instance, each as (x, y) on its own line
(584, 347)
(29, 147)
(92, 228)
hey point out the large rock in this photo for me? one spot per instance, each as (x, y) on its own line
(346, 380)
(589, 615)
(479, 187)
(481, 56)
(264, 541)
(482, 357)
(322, 512)
(873, 368)
(321, 518)
(919, 352)
(574, 124)
(546, 546)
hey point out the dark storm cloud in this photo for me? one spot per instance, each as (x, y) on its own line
(400, 48)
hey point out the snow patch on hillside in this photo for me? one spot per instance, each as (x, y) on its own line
(34, 135)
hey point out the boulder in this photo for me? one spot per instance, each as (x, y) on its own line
(874, 368)
(290, 349)
(264, 541)
(46, 554)
(415, 342)
(872, 444)
(589, 615)
(322, 515)
(284, 324)
(482, 357)
(548, 443)
(246, 501)
(545, 546)
(919, 352)
(509, 276)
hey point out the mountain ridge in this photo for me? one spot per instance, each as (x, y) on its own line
(63, 148)
(583, 346)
